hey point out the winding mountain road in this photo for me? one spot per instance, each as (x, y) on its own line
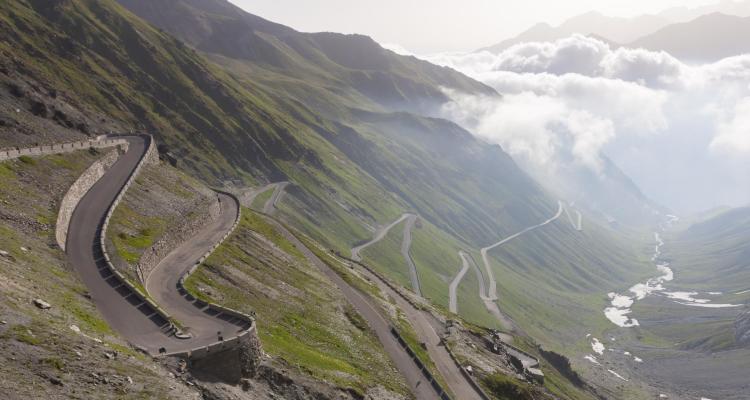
(377, 322)
(379, 235)
(426, 328)
(492, 292)
(278, 192)
(453, 300)
(576, 224)
(488, 294)
(134, 319)
(161, 283)
(405, 252)
(410, 219)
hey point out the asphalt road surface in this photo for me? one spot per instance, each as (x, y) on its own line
(406, 366)
(278, 192)
(426, 327)
(405, 246)
(379, 235)
(161, 283)
(492, 293)
(453, 301)
(134, 320)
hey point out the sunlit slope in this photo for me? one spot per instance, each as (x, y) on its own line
(715, 254)
(553, 281)
(711, 259)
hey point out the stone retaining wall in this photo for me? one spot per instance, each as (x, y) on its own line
(469, 377)
(247, 342)
(79, 189)
(426, 372)
(83, 183)
(173, 238)
(102, 141)
(147, 157)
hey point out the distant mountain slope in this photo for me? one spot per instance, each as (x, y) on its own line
(691, 34)
(740, 8)
(322, 111)
(356, 61)
(611, 29)
(715, 254)
(705, 39)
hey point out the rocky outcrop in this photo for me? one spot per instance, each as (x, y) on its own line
(742, 329)
(79, 189)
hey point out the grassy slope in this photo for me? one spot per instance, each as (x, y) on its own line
(554, 281)
(708, 256)
(32, 340)
(385, 256)
(161, 199)
(303, 320)
(350, 168)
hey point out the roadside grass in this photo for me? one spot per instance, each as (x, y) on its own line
(410, 337)
(385, 256)
(435, 255)
(261, 199)
(301, 316)
(161, 200)
(42, 341)
(506, 388)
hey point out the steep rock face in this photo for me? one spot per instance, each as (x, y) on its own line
(742, 329)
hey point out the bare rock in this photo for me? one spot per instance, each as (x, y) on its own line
(42, 304)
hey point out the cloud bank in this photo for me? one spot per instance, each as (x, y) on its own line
(676, 129)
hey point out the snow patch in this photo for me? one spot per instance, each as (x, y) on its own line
(597, 346)
(617, 375)
(592, 359)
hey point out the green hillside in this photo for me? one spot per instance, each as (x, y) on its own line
(235, 100)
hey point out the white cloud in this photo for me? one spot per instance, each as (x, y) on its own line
(577, 97)
(551, 132)
(733, 133)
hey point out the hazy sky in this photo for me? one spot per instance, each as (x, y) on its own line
(427, 26)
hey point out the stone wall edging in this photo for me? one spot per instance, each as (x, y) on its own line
(172, 239)
(467, 375)
(387, 282)
(393, 287)
(99, 142)
(79, 189)
(442, 393)
(148, 155)
(214, 347)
